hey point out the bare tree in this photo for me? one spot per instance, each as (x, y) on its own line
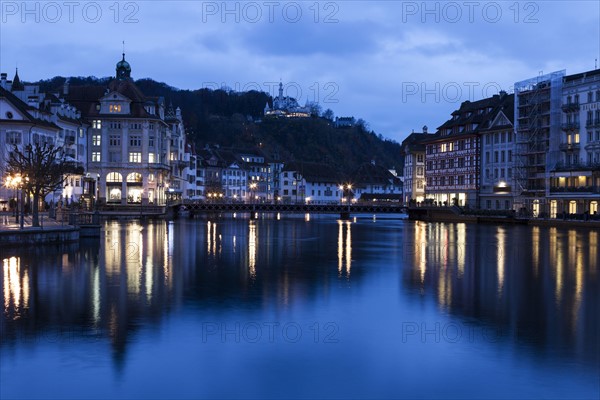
(43, 168)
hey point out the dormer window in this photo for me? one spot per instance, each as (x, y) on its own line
(114, 108)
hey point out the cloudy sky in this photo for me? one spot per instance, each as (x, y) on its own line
(397, 64)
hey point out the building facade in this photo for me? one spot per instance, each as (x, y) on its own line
(575, 178)
(129, 141)
(413, 171)
(538, 126)
(497, 188)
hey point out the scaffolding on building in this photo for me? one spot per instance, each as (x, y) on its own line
(537, 128)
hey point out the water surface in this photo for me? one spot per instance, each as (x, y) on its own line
(304, 307)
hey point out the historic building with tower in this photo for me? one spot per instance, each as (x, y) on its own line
(135, 146)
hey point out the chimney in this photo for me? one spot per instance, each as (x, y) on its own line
(424, 128)
(66, 87)
(3, 80)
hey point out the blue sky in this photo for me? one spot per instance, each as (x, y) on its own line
(397, 64)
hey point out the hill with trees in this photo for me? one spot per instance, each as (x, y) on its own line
(229, 118)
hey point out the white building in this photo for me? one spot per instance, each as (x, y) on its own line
(413, 172)
(310, 183)
(498, 146)
(575, 179)
(129, 141)
(21, 124)
(285, 106)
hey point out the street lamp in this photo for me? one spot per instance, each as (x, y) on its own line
(11, 183)
(252, 190)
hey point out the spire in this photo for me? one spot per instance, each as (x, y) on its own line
(123, 69)
(16, 83)
(280, 89)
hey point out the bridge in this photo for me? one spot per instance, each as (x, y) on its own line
(344, 210)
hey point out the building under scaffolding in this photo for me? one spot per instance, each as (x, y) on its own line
(537, 126)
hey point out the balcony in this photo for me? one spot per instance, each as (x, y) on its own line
(569, 146)
(589, 166)
(592, 123)
(574, 189)
(570, 107)
(569, 126)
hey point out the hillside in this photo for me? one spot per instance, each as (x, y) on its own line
(228, 119)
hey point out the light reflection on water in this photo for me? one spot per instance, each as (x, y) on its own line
(228, 287)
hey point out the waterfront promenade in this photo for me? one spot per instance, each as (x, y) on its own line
(49, 231)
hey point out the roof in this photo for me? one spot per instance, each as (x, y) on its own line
(481, 112)
(414, 141)
(87, 98)
(369, 173)
(24, 109)
(578, 76)
(314, 172)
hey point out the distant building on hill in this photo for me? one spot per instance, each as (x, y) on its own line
(344, 122)
(285, 106)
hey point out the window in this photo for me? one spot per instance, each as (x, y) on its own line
(135, 141)
(96, 140)
(502, 156)
(114, 140)
(114, 108)
(135, 157)
(510, 156)
(96, 156)
(420, 158)
(151, 141)
(114, 177)
(495, 156)
(461, 162)
(14, 138)
(590, 97)
(151, 158)
(97, 124)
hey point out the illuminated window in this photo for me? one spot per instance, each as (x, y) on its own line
(97, 124)
(135, 157)
(150, 177)
(134, 177)
(572, 207)
(151, 158)
(96, 156)
(114, 177)
(96, 140)
(443, 148)
(114, 108)
(594, 207)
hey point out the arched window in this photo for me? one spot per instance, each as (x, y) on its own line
(114, 177)
(134, 177)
